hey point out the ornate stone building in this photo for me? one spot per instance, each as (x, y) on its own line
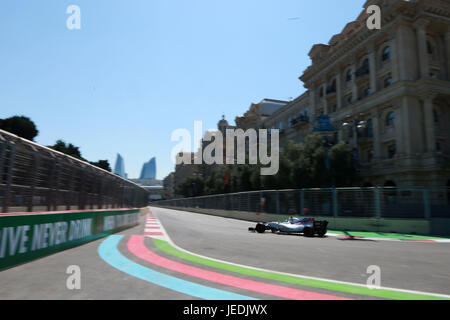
(259, 112)
(388, 92)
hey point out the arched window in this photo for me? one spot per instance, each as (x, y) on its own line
(386, 54)
(348, 76)
(390, 119)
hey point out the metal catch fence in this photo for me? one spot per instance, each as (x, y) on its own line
(414, 202)
(37, 178)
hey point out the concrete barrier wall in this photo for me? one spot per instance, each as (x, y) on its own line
(25, 237)
(411, 226)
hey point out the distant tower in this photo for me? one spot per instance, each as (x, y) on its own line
(149, 170)
(119, 168)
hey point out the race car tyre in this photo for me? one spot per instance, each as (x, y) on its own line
(260, 228)
(308, 232)
(321, 234)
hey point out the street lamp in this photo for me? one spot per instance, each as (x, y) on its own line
(357, 127)
(327, 132)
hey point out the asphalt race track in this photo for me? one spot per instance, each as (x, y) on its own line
(173, 255)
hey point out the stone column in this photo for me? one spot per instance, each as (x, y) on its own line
(394, 59)
(407, 57)
(354, 86)
(340, 135)
(407, 107)
(376, 134)
(312, 102)
(372, 68)
(339, 89)
(324, 98)
(421, 32)
(398, 124)
(429, 123)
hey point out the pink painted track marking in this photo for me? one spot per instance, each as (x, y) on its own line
(154, 234)
(137, 247)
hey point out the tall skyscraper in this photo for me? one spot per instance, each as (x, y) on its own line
(119, 168)
(149, 170)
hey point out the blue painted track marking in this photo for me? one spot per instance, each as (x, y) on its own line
(109, 252)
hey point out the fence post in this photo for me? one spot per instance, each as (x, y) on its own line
(302, 202)
(56, 194)
(278, 201)
(377, 203)
(33, 178)
(426, 203)
(260, 202)
(335, 203)
(9, 172)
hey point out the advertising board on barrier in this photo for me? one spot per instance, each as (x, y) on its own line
(31, 236)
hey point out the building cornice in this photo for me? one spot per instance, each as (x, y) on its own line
(402, 12)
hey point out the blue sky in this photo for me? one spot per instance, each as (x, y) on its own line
(139, 69)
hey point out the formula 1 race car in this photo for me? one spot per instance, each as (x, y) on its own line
(309, 227)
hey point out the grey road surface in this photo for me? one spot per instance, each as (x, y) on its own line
(404, 265)
(412, 266)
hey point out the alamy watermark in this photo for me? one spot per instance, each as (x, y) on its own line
(374, 280)
(73, 282)
(374, 20)
(229, 147)
(73, 22)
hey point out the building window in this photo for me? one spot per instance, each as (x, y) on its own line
(387, 82)
(435, 116)
(321, 92)
(390, 119)
(334, 107)
(348, 76)
(392, 150)
(386, 54)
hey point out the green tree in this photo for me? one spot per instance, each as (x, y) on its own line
(67, 148)
(191, 187)
(342, 169)
(103, 164)
(21, 126)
